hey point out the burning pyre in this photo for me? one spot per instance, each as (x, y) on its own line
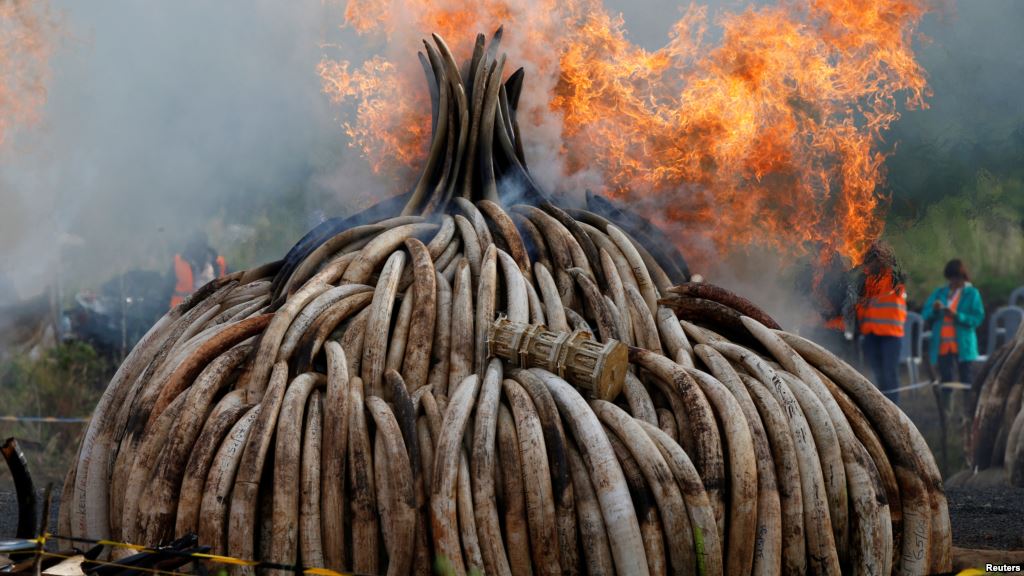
(779, 122)
(341, 407)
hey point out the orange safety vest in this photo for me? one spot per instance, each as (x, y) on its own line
(883, 309)
(947, 342)
(184, 281)
(836, 323)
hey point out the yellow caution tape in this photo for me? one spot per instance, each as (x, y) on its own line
(216, 558)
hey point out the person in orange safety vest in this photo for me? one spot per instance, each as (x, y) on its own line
(879, 306)
(954, 312)
(195, 267)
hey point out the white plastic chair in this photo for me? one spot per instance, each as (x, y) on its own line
(1002, 326)
(1017, 297)
(912, 347)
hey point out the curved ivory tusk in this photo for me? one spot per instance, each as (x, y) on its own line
(506, 229)
(484, 506)
(378, 324)
(403, 500)
(462, 334)
(540, 503)
(609, 483)
(212, 513)
(416, 363)
(288, 469)
(440, 352)
(517, 538)
(242, 519)
(221, 420)
(596, 553)
(444, 517)
(553, 307)
(485, 306)
(516, 296)
(310, 532)
(659, 479)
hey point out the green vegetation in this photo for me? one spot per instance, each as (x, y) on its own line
(983, 225)
(64, 381)
(958, 192)
(268, 229)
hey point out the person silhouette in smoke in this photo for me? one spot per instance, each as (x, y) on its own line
(194, 267)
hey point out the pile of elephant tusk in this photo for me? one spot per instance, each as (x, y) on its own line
(997, 433)
(340, 407)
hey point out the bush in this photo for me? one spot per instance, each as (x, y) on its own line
(64, 381)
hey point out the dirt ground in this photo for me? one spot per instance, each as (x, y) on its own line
(9, 512)
(987, 517)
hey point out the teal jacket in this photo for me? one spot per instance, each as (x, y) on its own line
(969, 316)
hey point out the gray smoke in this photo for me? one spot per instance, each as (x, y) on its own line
(163, 118)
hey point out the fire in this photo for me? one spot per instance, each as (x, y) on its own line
(390, 131)
(24, 54)
(774, 135)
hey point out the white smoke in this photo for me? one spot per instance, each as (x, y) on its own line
(163, 117)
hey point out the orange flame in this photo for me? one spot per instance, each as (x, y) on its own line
(772, 136)
(24, 54)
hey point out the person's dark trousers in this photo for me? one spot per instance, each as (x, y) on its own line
(948, 364)
(883, 355)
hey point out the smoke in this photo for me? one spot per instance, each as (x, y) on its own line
(975, 66)
(25, 34)
(162, 120)
(165, 118)
(25, 44)
(974, 121)
(976, 115)
(140, 125)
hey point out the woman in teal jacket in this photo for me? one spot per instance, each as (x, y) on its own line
(954, 312)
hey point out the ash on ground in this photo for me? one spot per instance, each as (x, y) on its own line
(989, 517)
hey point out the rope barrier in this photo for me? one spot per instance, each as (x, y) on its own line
(947, 385)
(45, 419)
(910, 387)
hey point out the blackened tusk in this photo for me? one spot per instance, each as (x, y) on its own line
(584, 240)
(23, 487)
(461, 114)
(514, 88)
(727, 298)
(662, 248)
(489, 185)
(492, 48)
(438, 196)
(435, 94)
(470, 69)
(479, 85)
(438, 141)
